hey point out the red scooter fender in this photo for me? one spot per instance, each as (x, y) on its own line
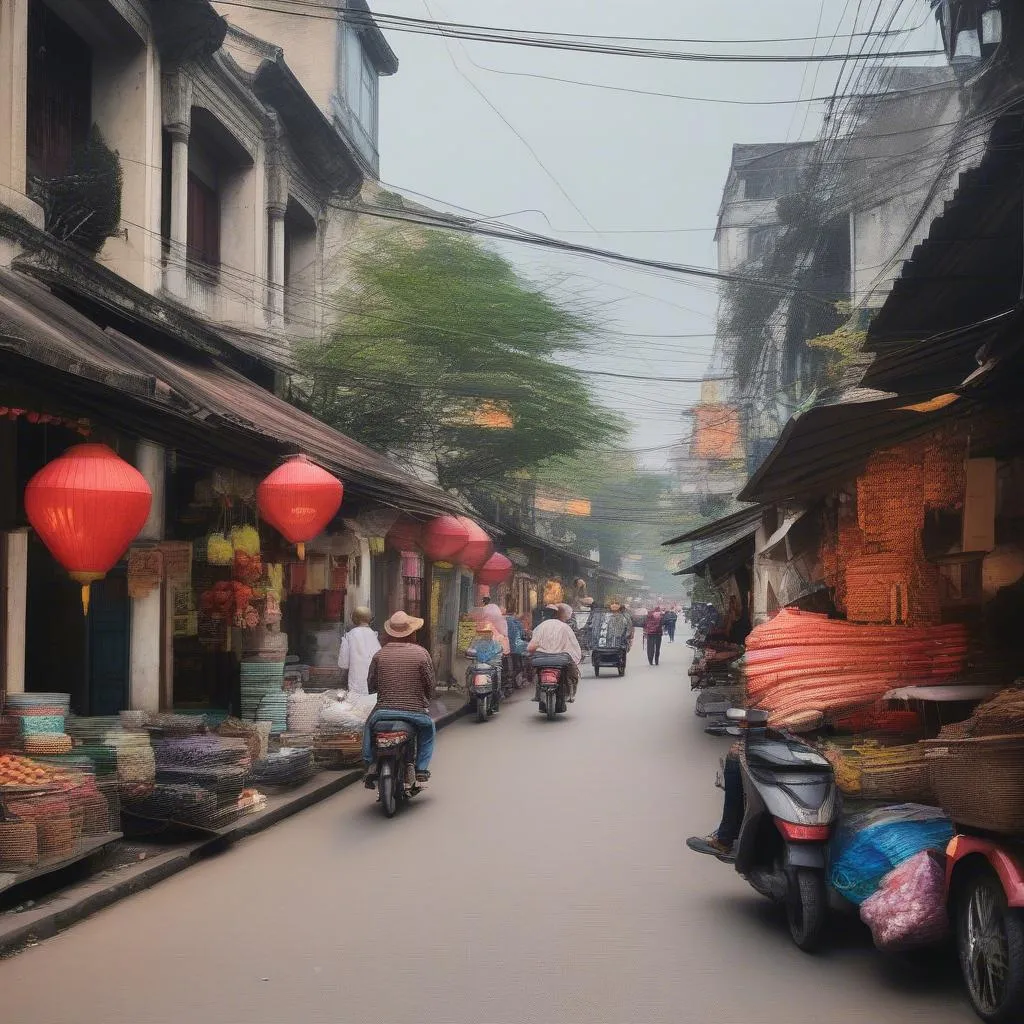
(1008, 866)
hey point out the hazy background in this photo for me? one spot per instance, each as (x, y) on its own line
(636, 173)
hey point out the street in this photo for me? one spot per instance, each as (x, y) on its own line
(543, 878)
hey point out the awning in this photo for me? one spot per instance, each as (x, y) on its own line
(723, 559)
(199, 406)
(749, 515)
(830, 443)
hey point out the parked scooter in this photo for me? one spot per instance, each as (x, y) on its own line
(791, 805)
(394, 752)
(482, 683)
(552, 683)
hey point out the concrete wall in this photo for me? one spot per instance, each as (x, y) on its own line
(310, 44)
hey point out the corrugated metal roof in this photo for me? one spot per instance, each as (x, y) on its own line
(723, 558)
(38, 326)
(831, 442)
(726, 526)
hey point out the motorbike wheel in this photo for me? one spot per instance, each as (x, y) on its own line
(622, 668)
(807, 909)
(990, 943)
(386, 785)
(552, 705)
(482, 708)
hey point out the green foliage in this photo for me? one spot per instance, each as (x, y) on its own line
(83, 207)
(840, 348)
(436, 328)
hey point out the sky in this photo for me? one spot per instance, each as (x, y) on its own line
(636, 173)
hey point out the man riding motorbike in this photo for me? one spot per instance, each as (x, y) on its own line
(555, 636)
(402, 676)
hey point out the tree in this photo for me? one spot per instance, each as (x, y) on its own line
(443, 355)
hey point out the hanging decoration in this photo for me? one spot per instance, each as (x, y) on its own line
(405, 535)
(478, 549)
(443, 538)
(497, 569)
(299, 499)
(87, 506)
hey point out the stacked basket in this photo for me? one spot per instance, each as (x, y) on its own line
(259, 679)
(41, 717)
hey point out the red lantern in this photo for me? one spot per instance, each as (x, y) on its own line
(479, 548)
(299, 499)
(497, 569)
(87, 506)
(443, 538)
(405, 535)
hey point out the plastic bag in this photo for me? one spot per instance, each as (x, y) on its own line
(344, 715)
(909, 910)
(869, 846)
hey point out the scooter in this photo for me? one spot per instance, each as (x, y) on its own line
(482, 681)
(394, 753)
(552, 683)
(791, 805)
(985, 896)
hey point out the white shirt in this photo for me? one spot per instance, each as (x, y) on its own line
(553, 636)
(358, 646)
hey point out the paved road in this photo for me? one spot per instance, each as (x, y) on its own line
(543, 879)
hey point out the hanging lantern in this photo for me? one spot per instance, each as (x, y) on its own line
(87, 506)
(497, 569)
(443, 538)
(479, 548)
(405, 535)
(299, 499)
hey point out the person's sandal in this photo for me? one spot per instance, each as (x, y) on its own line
(711, 846)
(422, 777)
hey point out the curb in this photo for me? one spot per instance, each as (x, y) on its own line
(93, 895)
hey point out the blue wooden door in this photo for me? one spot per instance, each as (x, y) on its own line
(109, 645)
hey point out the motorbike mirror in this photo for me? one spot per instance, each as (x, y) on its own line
(736, 714)
(755, 716)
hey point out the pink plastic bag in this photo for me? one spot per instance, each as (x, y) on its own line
(909, 910)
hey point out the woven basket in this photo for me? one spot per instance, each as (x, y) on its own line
(906, 783)
(979, 782)
(60, 835)
(19, 843)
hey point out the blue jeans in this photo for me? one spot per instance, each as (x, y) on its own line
(425, 731)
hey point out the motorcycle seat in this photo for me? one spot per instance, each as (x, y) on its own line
(551, 660)
(393, 725)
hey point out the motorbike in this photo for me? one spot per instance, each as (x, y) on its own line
(552, 683)
(609, 657)
(791, 805)
(482, 683)
(394, 752)
(985, 896)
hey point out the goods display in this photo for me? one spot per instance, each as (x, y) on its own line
(803, 666)
(259, 678)
(304, 711)
(255, 735)
(868, 846)
(909, 909)
(895, 772)
(955, 767)
(289, 766)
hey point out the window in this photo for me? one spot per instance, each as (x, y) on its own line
(203, 222)
(59, 93)
(759, 242)
(361, 84)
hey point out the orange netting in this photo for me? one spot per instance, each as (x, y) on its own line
(803, 667)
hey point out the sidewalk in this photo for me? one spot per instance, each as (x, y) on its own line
(132, 867)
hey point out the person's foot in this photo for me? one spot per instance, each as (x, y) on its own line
(422, 777)
(710, 845)
(370, 779)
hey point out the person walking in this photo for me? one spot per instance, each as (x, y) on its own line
(358, 646)
(652, 634)
(669, 620)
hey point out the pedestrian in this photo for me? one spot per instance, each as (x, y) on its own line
(652, 633)
(402, 675)
(669, 619)
(358, 646)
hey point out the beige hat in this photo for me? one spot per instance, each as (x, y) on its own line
(401, 625)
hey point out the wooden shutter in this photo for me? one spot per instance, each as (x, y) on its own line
(203, 222)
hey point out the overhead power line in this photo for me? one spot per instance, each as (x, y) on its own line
(549, 41)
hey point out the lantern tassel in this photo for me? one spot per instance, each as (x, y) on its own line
(301, 548)
(86, 592)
